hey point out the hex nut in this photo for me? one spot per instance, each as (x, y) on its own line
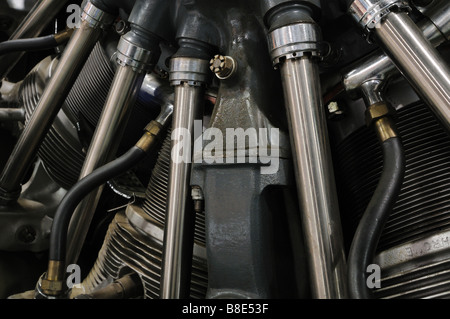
(377, 111)
(51, 287)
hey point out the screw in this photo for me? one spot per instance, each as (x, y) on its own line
(223, 66)
(197, 196)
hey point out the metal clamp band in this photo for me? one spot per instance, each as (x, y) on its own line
(132, 55)
(295, 40)
(368, 13)
(193, 71)
(95, 17)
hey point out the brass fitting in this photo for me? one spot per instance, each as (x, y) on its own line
(150, 137)
(63, 36)
(376, 111)
(52, 283)
(379, 115)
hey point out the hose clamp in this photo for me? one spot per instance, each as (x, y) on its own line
(368, 13)
(96, 18)
(129, 54)
(192, 71)
(294, 41)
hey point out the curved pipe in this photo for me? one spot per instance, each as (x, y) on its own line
(419, 62)
(378, 66)
(35, 44)
(32, 25)
(365, 240)
(82, 188)
(52, 282)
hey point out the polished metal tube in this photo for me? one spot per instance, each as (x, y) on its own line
(12, 114)
(315, 178)
(438, 14)
(418, 61)
(179, 218)
(70, 64)
(378, 66)
(122, 97)
(32, 25)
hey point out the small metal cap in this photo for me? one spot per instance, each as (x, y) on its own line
(223, 66)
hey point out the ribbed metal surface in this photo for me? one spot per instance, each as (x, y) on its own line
(126, 248)
(61, 152)
(64, 168)
(156, 194)
(423, 207)
(429, 281)
(90, 91)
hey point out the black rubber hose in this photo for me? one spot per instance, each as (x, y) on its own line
(58, 238)
(365, 240)
(33, 44)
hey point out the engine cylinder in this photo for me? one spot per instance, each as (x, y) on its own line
(421, 216)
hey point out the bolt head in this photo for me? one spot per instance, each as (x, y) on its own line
(222, 66)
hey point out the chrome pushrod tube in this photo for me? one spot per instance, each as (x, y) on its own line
(136, 55)
(315, 178)
(103, 147)
(32, 25)
(188, 76)
(178, 220)
(378, 66)
(77, 51)
(418, 61)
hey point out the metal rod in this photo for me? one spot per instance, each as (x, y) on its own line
(378, 66)
(12, 114)
(32, 25)
(179, 216)
(315, 178)
(418, 61)
(69, 66)
(122, 97)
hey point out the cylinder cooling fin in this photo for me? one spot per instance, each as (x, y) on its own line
(134, 241)
(137, 248)
(64, 148)
(274, 149)
(422, 211)
(156, 194)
